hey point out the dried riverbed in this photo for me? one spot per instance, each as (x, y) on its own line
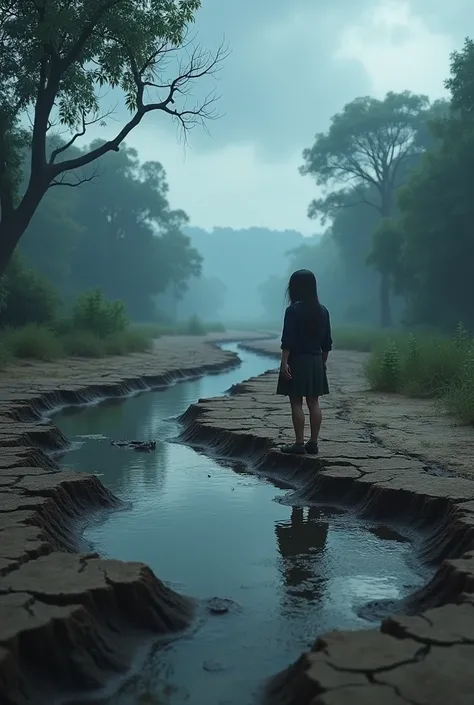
(100, 607)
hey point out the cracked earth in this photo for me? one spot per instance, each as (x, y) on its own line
(68, 618)
(387, 457)
(71, 619)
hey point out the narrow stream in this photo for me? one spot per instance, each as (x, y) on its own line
(213, 530)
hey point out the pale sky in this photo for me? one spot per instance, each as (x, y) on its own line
(294, 63)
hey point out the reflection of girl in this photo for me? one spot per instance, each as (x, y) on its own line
(305, 345)
(297, 540)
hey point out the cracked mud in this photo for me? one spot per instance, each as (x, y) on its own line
(420, 659)
(69, 619)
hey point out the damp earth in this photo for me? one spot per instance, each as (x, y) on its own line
(281, 573)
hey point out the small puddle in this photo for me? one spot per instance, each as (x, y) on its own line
(212, 530)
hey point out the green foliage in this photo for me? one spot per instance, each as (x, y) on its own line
(386, 246)
(83, 343)
(94, 313)
(362, 160)
(26, 296)
(458, 397)
(56, 62)
(384, 368)
(128, 341)
(427, 366)
(32, 341)
(367, 144)
(119, 235)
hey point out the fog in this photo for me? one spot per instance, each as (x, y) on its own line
(230, 201)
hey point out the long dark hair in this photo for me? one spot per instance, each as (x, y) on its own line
(303, 288)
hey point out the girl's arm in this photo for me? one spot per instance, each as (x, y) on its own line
(326, 345)
(288, 333)
(287, 341)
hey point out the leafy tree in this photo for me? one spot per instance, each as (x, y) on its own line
(56, 56)
(366, 154)
(130, 243)
(27, 296)
(437, 212)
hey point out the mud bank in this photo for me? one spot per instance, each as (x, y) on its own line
(70, 620)
(423, 658)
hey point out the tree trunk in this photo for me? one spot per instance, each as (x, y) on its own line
(10, 234)
(14, 223)
(384, 295)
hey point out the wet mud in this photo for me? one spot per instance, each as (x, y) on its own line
(70, 620)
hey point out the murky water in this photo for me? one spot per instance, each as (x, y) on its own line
(213, 530)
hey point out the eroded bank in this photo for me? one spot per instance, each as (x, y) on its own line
(423, 658)
(69, 619)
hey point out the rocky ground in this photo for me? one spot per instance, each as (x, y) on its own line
(388, 457)
(62, 609)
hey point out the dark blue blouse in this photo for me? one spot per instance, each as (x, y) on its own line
(298, 339)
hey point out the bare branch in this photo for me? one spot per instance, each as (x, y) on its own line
(79, 180)
(85, 124)
(200, 64)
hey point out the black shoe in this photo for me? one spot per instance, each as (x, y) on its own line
(294, 448)
(312, 447)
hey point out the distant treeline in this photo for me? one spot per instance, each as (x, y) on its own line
(115, 232)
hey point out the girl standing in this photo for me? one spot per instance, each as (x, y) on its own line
(305, 345)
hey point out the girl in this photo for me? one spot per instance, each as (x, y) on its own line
(305, 345)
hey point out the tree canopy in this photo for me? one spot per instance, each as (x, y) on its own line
(363, 159)
(57, 57)
(119, 235)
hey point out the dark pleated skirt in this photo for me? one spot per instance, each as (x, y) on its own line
(309, 378)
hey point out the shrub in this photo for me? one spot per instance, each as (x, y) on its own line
(83, 344)
(136, 341)
(384, 368)
(26, 296)
(458, 398)
(33, 341)
(93, 312)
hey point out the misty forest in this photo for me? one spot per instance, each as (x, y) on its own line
(395, 205)
(87, 232)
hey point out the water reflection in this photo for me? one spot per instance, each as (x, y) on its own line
(300, 540)
(211, 529)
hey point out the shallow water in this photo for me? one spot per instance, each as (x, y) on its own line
(210, 529)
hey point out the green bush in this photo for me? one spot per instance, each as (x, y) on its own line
(93, 312)
(32, 341)
(83, 343)
(135, 341)
(458, 398)
(384, 368)
(26, 297)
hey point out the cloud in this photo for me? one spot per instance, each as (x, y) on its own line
(398, 51)
(294, 63)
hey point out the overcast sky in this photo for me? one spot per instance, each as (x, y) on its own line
(294, 63)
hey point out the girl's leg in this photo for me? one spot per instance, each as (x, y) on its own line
(297, 416)
(315, 417)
